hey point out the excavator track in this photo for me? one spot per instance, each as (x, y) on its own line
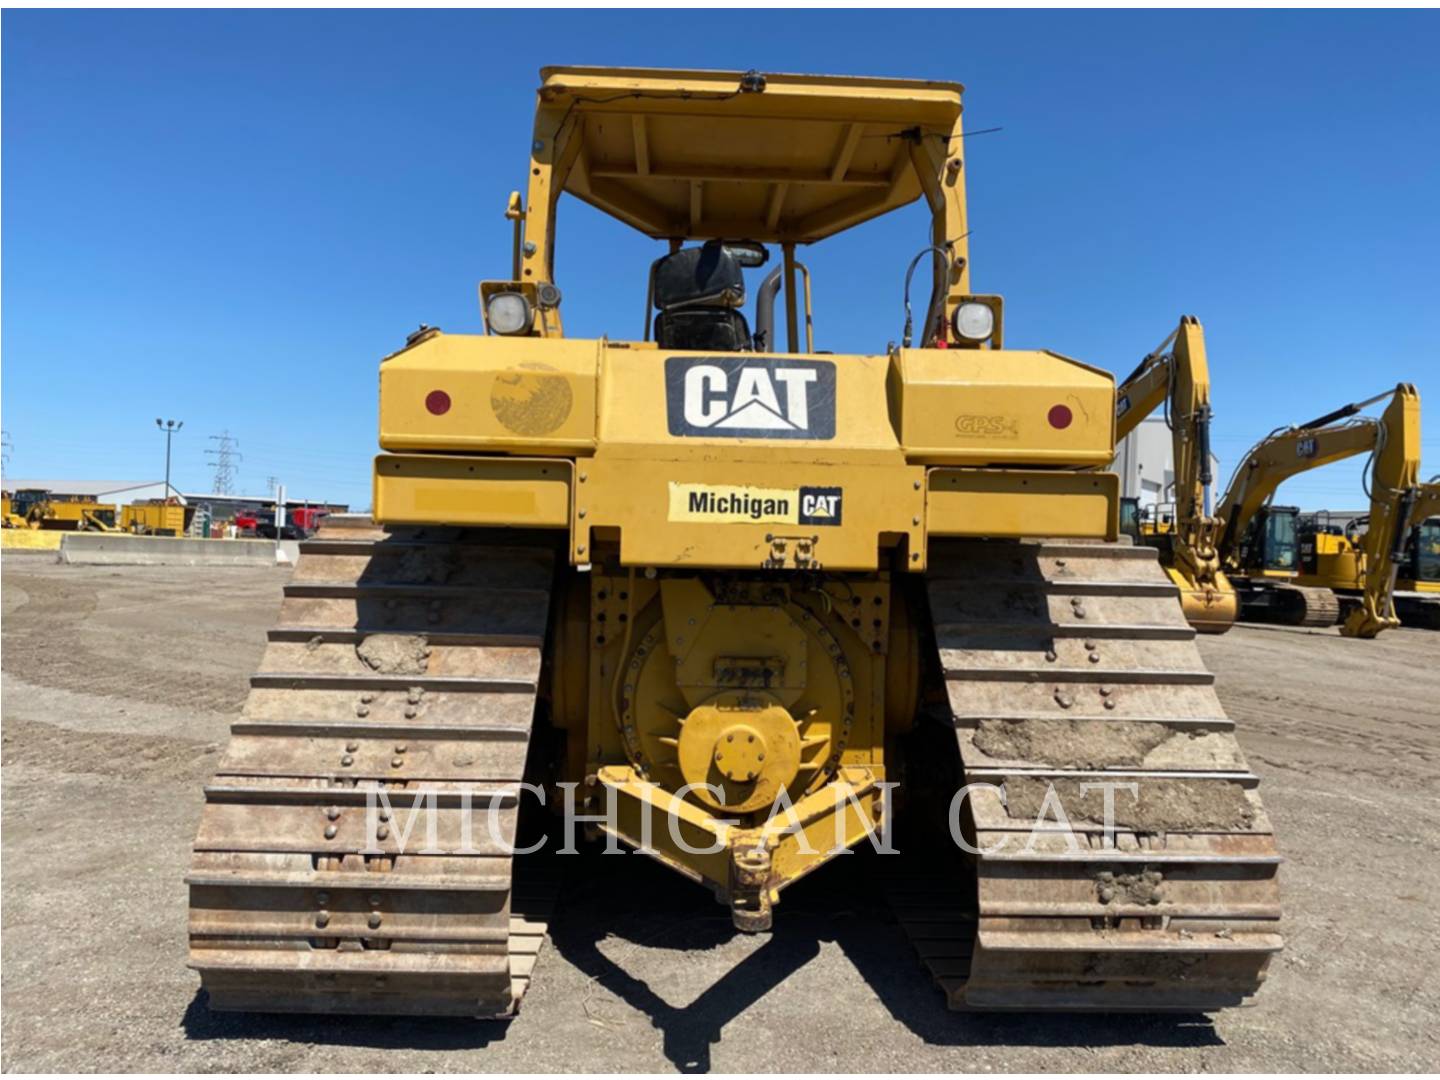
(1284, 603)
(404, 660)
(1308, 605)
(1417, 610)
(1069, 664)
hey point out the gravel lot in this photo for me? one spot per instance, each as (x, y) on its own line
(119, 684)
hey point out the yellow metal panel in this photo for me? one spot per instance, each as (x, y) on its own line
(635, 418)
(786, 94)
(32, 539)
(152, 516)
(997, 407)
(688, 153)
(820, 826)
(418, 489)
(742, 511)
(834, 819)
(1003, 503)
(516, 394)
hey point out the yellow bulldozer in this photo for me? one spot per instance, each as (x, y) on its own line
(34, 508)
(710, 588)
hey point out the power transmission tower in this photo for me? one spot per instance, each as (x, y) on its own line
(6, 449)
(272, 482)
(227, 454)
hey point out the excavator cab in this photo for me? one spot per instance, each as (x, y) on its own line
(1130, 517)
(1422, 561)
(1417, 585)
(1272, 545)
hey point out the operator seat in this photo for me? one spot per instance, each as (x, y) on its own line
(699, 292)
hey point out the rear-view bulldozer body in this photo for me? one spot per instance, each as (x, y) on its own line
(706, 586)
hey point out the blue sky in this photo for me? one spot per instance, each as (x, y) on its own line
(227, 218)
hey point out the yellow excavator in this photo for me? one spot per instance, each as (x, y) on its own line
(720, 592)
(1244, 556)
(1176, 375)
(1332, 554)
(1417, 588)
(1259, 544)
(1337, 557)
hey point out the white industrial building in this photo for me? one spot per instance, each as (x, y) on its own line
(1147, 468)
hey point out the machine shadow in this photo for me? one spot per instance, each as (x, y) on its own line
(373, 1032)
(641, 902)
(1280, 628)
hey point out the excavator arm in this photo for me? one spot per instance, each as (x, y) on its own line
(1397, 498)
(1177, 375)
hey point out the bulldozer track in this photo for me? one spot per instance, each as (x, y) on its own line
(404, 661)
(1069, 664)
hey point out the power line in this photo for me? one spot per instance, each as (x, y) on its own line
(226, 454)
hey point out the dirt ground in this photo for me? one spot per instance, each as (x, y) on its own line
(119, 683)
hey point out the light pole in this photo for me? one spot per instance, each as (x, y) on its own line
(169, 427)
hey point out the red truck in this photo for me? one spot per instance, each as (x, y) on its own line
(303, 521)
(300, 522)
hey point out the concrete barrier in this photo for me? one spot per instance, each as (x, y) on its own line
(122, 549)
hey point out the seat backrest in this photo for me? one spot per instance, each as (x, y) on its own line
(705, 276)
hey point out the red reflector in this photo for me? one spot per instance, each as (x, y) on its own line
(1060, 416)
(438, 402)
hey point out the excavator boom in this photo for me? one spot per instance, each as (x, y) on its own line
(1396, 501)
(1177, 375)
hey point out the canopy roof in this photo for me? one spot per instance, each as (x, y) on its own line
(698, 154)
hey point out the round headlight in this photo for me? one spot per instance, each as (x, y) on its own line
(509, 313)
(974, 322)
